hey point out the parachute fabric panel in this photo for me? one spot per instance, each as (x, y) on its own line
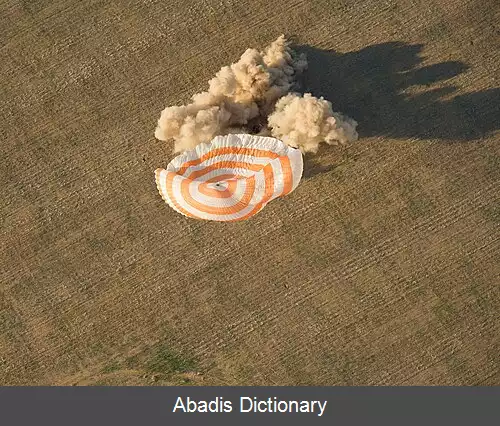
(231, 178)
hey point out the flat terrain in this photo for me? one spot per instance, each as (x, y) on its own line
(381, 268)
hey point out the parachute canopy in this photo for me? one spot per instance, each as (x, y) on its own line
(231, 178)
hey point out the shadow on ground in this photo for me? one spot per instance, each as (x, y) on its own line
(376, 86)
(315, 163)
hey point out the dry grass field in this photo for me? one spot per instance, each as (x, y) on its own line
(381, 268)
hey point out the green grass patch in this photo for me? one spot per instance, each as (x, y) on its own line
(417, 202)
(445, 312)
(439, 31)
(493, 164)
(492, 213)
(111, 367)
(166, 361)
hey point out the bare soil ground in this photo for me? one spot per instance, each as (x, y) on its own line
(381, 268)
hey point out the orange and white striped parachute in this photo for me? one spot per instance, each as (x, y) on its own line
(231, 178)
